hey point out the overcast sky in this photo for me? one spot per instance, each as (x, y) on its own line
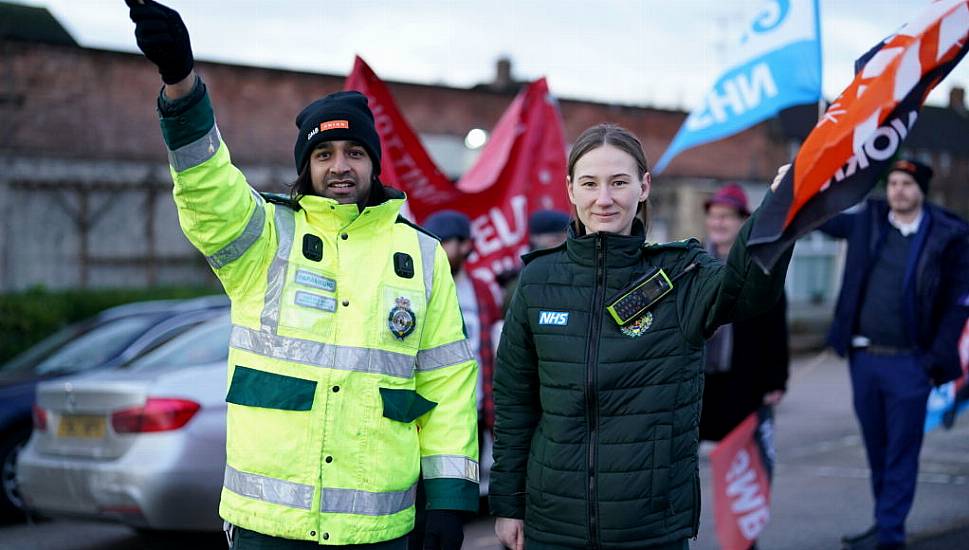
(663, 53)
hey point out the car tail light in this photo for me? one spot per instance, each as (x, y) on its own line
(40, 418)
(156, 415)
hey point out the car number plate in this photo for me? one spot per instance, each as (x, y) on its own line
(81, 426)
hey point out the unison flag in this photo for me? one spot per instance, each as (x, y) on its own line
(742, 465)
(520, 170)
(849, 149)
(779, 66)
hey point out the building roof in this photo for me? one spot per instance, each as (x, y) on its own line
(32, 24)
(937, 129)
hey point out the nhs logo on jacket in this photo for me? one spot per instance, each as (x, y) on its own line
(560, 318)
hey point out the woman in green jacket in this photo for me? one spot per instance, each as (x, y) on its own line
(599, 372)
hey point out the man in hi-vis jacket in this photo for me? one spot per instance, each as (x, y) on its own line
(348, 370)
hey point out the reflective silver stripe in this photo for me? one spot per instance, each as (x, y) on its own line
(444, 356)
(428, 246)
(350, 501)
(234, 250)
(277, 491)
(317, 354)
(276, 278)
(197, 152)
(452, 466)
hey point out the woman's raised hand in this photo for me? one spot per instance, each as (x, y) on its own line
(780, 175)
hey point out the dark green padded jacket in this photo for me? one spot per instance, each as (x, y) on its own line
(597, 429)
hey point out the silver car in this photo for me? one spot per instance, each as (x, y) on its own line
(143, 445)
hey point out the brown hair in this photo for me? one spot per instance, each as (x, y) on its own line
(303, 185)
(620, 138)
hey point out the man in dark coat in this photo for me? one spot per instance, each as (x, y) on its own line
(902, 307)
(746, 361)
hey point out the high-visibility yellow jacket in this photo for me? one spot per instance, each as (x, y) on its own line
(348, 371)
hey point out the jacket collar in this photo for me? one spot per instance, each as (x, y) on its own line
(330, 216)
(620, 250)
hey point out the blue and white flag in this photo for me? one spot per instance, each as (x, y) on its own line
(779, 66)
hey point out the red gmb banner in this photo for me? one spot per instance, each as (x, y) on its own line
(520, 170)
(741, 465)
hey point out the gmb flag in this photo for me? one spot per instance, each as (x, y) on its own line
(849, 149)
(742, 465)
(520, 170)
(780, 66)
(405, 165)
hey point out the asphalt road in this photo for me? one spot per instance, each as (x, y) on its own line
(820, 485)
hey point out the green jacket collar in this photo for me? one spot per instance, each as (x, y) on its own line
(620, 250)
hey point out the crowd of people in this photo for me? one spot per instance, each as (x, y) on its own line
(366, 365)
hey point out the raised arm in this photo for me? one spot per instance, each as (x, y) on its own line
(217, 210)
(722, 293)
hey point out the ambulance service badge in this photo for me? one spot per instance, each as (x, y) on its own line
(401, 320)
(639, 326)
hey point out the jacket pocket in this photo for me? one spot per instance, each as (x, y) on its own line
(662, 468)
(404, 405)
(256, 388)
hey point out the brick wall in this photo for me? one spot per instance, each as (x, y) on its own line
(84, 103)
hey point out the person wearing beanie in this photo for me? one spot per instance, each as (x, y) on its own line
(745, 362)
(481, 313)
(547, 229)
(901, 310)
(349, 374)
(477, 301)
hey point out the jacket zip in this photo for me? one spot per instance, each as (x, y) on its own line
(592, 402)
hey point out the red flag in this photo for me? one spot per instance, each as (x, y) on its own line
(522, 169)
(742, 463)
(405, 165)
(842, 158)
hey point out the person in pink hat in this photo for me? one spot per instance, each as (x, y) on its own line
(746, 361)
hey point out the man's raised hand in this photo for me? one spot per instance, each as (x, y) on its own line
(163, 38)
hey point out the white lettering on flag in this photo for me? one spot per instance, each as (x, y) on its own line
(741, 94)
(746, 497)
(778, 65)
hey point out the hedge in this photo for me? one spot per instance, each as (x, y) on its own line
(30, 316)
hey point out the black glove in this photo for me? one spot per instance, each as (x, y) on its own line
(163, 38)
(444, 530)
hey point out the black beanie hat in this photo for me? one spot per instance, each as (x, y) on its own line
(338, 116)
(921, 173)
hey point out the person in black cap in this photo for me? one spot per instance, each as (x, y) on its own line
(898, 319)
(477, 301)
(348, 371)
(547, 229)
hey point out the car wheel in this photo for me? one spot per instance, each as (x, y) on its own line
(11, 502)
